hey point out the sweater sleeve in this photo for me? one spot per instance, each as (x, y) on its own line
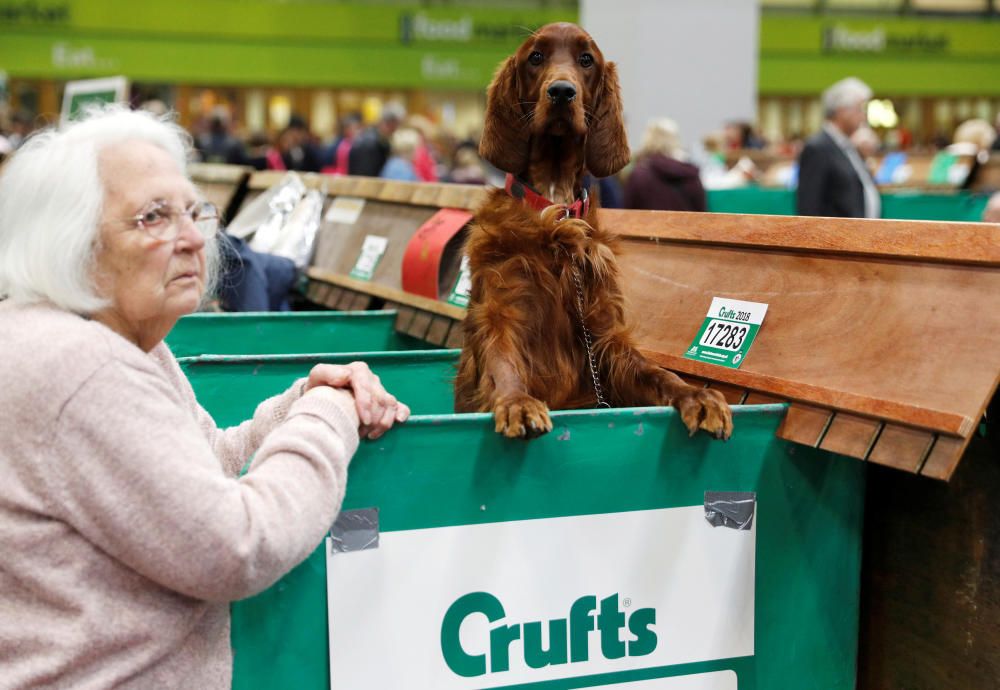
(136, 476)
(234, 445)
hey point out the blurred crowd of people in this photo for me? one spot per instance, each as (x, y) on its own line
(662, 175)
(397, 146)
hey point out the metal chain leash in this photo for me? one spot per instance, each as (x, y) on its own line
(587, 339)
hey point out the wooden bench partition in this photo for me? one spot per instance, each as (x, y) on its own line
(884, 335)
(395, 210)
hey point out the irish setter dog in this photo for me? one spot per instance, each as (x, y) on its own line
(546, 325)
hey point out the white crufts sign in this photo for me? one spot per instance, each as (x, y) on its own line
(535, 600)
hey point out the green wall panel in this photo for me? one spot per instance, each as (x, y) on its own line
(897, 56)
(264, 41)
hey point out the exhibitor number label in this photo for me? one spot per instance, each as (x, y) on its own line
(463, 285)
(371, 253)
(728, 336)
(728, 332)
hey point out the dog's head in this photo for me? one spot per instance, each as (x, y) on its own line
(556, 84)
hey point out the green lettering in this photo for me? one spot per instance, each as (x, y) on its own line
(610, 621)
(581, 622)
(458, 660)
(534, 655)
(500, 639)
(567, 637)
(639, 625)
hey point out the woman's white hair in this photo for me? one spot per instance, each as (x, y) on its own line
(51, 197)
(846, 93)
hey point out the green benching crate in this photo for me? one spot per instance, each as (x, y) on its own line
(267, 333)
(441, 472)
(898, 205)
(230, 387)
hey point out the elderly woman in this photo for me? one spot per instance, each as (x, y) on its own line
(124, 529)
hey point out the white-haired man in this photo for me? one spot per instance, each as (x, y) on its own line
(833, 178)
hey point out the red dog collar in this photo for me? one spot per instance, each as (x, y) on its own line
(523, 191)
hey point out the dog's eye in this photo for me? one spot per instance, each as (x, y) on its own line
(586, 60)
(536, 58)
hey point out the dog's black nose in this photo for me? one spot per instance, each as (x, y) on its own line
(561, 92)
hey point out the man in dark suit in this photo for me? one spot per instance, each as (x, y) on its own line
(833, 178)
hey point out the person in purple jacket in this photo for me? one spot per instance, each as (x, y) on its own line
(661, 179)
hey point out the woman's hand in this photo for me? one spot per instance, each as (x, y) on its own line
(377, 408)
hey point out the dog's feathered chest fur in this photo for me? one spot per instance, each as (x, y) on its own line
(526, 343)
(527, 257)
(506, 230)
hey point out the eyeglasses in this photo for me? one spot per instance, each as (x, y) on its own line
(161, 220)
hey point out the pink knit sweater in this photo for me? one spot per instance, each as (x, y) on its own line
(124, 531)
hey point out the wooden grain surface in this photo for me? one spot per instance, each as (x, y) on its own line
(734, 395)
(907, 341)
(850, 435)
(265, 179)
(969, 243)
(437, 334)
(420, 324)
(881, 333)
(758, 398)
(338, 245)
(944, 457)
(805, 424)
(903, 448)
(202, 173)
(440, 194)
(218, 193)
(389, 294)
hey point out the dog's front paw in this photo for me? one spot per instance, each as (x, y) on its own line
(521, 416)
(703, 408)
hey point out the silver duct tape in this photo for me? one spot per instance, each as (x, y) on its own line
(733, 509)
(355, 530)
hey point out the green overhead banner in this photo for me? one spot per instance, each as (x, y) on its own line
(314, 43)
(897, 56)
(295, 42)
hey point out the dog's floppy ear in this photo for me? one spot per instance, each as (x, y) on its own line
(607, 144)
(505, 131)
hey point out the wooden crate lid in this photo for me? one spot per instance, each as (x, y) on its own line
(218, 172)
(883, 335)
(877, 324)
